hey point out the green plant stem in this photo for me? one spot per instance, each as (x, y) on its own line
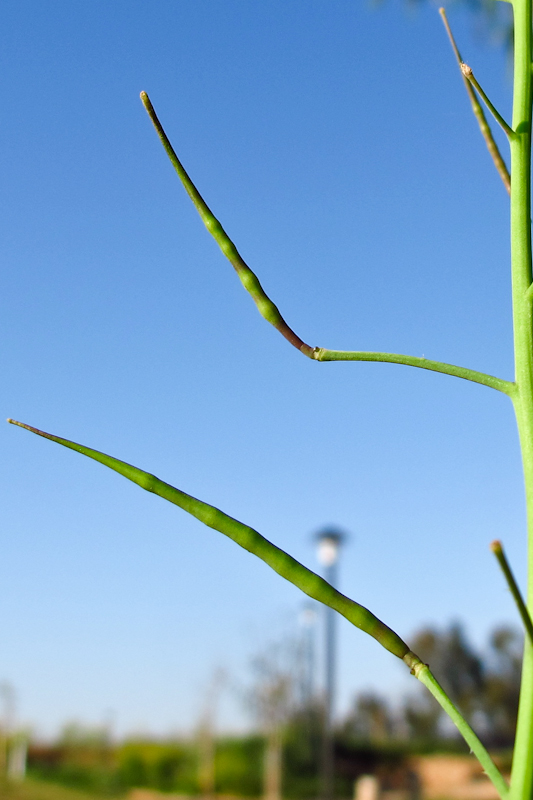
(321, 354)
(249, 280)
(522, 771)
(309, 582)
(498, 551)
(424, 675)
(469, 75)
(479, 114)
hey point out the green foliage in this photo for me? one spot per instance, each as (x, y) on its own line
(164, 766)
(78, 761)
(239, 766)
(83, 759)
(302, 743)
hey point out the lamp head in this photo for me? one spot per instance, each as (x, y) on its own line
(329, 541)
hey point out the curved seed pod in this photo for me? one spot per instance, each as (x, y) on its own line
(249, 280)
(248, 538)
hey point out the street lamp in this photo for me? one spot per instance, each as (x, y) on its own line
(329, 543)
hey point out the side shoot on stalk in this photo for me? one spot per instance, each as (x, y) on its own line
(520, 392)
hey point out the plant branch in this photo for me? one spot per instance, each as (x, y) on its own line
(469, 75)
(484, 126)
(425, 676)
(249, 280)
(307, 581)
(267, 308)
(497, 549)
(508, 388)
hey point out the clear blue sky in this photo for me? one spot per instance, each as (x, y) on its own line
(336, 144)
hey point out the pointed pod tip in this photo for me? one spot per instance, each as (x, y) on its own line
(147, 103)
(496, 546)
(16, 422)
(26, 427)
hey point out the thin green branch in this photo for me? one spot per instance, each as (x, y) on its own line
(309, 582)
(469, 75)
(425, 676)
(498, 551)
(508, 388)
(249, 280)
(484, 126)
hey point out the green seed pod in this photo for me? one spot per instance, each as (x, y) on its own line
(248, 538)
(249, 280)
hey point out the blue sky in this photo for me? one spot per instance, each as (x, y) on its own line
(336, 144)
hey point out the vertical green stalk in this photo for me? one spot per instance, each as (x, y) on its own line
(522, 772)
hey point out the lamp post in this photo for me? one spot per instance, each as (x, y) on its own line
(308, 618)
(329, 542)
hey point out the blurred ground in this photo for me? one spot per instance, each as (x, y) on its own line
(39, 790)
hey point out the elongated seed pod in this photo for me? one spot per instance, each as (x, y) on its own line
(248, 538)
(249, 279)
(300, 576)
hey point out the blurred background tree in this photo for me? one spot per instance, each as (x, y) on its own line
(281, 756)
(484, 686)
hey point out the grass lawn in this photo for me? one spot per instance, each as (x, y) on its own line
(40, 790)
